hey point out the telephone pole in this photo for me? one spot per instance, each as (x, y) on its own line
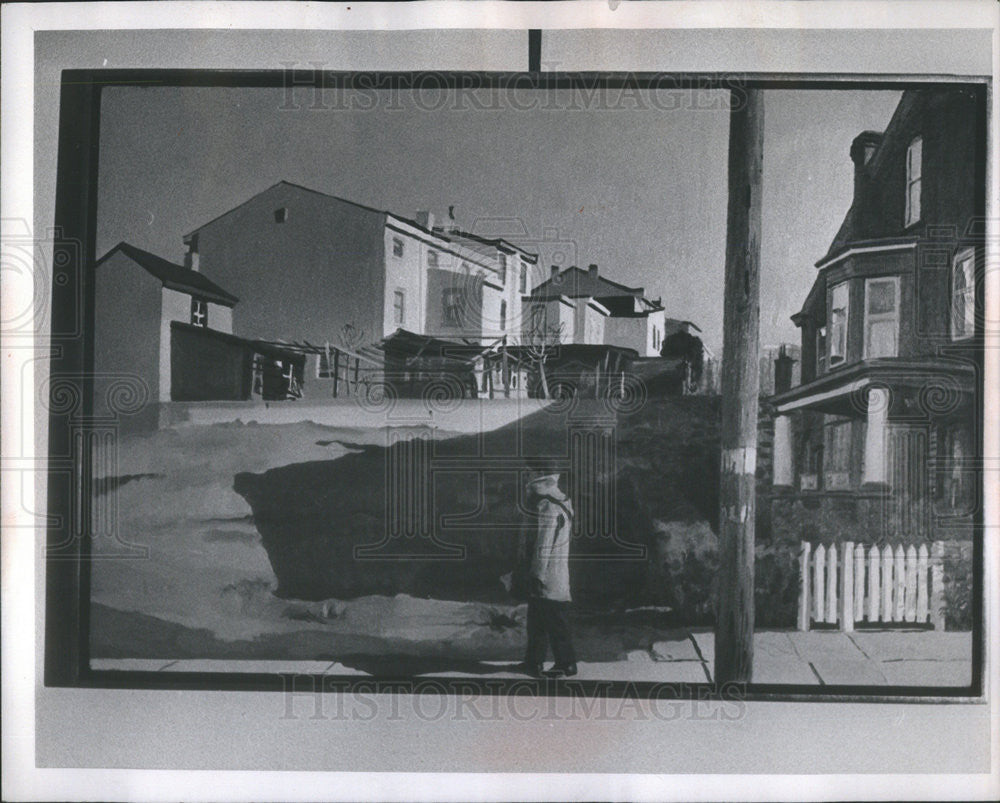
(740, 385)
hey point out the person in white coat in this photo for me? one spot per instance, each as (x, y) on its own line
(548, 574)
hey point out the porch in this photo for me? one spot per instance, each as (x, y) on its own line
(876, 451)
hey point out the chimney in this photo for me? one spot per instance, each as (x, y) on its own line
(862, 149)
(452, 221)
(191, 257)
(425, 219)
(592, 270)
(782, 371)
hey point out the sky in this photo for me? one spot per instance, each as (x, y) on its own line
(634, 182)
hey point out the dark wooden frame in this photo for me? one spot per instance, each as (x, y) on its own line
(68, 554)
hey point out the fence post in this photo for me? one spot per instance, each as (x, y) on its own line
(911, 584)
(922, 583)
(819, 573)
(804, 550)
(874, 587)
(847, 586)
(859, 582)
(831, 584)
(898, 584)
(937, 585)
(886, 613)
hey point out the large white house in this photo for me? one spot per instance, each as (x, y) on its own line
(312, 267)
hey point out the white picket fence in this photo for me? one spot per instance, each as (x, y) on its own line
(887, 584)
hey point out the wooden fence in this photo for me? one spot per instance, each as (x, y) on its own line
(844, 583)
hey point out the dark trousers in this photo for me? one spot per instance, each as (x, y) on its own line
(548, 621)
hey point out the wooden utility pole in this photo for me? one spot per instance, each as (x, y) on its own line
(740, 385)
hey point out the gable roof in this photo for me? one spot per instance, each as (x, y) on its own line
(287, 184)
(176, 277)
(464, 249)
(576, 282)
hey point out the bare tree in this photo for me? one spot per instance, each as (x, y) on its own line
(540, 338)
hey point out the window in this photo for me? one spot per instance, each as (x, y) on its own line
(656, 338)
(523, 283)
(539, 320)
(837, 456)
(954, 474)
(399, 307)
(812, 465)
(199, 312)
(914, 157)
(432, 259)
(397, 247)
(839, 310)
(451, 303)
(281, 215)
(881, 317)
(503, 269)
(963, 296)
(820, 350)
(503, 316)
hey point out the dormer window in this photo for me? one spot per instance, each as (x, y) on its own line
(199, 312)
(914, 166)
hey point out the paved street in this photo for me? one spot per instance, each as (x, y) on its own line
(869, 658)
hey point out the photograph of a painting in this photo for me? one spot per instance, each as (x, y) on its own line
(426, 382)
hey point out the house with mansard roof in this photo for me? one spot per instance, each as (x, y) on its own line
(878, 438)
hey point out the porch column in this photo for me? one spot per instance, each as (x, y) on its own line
(783, 451)
(878, 414)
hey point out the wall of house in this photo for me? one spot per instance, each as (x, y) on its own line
(176, 306)
(588, 323)
(560, 318)
(303, 279)
(471, 305)
(655, 322)
(206, 368)
(492, 296)
(631, 333)
(409, 274)
(126, 333)
(512, 294)
(220, 318)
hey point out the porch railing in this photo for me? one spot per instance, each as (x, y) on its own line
(850, 583)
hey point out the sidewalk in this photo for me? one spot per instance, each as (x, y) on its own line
(862, 658)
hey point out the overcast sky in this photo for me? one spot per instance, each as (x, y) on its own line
(634, 183)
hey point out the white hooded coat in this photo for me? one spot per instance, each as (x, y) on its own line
(550, 557)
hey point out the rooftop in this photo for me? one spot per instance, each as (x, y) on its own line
(176, 277)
